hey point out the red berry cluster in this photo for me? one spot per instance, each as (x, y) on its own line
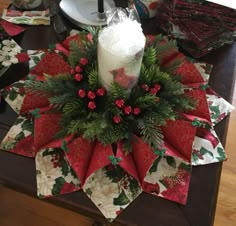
(153, 90)
(56, 158)
(127, 109)
(77, 71)
(91, 95)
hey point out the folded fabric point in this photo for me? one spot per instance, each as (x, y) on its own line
(11, 28)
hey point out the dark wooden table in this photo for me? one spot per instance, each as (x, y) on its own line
(19, 172)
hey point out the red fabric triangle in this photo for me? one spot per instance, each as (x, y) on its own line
(10, 28)
(79, 155)
(202, 109)
(45, 128)
(127, 162)
(180, 135)
(99, 158)
(171, 151)
(143, 157)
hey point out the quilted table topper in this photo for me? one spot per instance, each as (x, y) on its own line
(111, 178)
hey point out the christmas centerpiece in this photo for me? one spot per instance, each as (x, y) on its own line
(141, 129)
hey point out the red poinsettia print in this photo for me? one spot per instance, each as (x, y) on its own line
(177, 186)
(122, 78)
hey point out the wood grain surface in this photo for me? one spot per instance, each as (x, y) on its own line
(19, 209)
(226, 204)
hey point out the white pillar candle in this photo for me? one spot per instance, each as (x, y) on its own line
(120, 53)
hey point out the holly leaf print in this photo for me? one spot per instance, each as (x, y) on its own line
(215, 111)
(204, 151)
(221, 154)
(171, 161)
(58, 185)
(12, 95)
(121, 200)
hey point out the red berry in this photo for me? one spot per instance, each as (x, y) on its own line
(150, 39)
(91, 105)
(117, 119)
(91, 95)
(119, 103)
(153, 91)
(78, 69)
(145, 87)
(136, 111)
(78, 77)
(90, 37)
(83, 61)
(157, 87)
(72, 71)
(101, 92)
(81, 93)
(127, 110)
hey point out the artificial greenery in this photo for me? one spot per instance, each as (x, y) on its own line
(91, 112)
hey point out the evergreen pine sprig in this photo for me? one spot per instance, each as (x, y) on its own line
(150, 133)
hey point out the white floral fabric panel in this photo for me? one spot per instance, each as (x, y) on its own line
(206, 151)
(54, 174)
(8, 51)
(112, 190)
(219, 108)
(22, 128)
(169, 177)
(14, 95)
